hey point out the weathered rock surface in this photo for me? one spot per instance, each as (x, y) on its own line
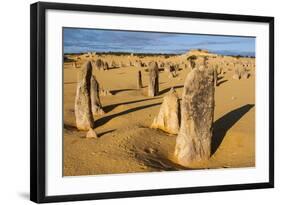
(95, 98)
(82, 108)
(168, 117)
(193, 142)
(153, 82)
(216, 76)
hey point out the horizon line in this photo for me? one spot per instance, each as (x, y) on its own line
(222, 52)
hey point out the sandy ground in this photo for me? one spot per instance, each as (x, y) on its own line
(126, 142)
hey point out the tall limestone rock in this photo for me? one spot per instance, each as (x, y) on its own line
(193, 142)
(82, 108)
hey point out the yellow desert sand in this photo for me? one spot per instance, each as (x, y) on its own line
(126, 142)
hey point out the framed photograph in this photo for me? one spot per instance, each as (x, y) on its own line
(129, 102)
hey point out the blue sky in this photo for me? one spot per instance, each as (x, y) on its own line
(78, 40)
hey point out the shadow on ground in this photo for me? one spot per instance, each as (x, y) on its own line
(105, 119)
(108, 108)
(222, 125)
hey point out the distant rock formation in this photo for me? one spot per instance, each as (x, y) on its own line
(236, 75)
(104, 92)
(139, 80)
(106, 66)
(246, 75)
(137, 64)
(99, 64)
(74, 65)
(114, 64)
(153, 82)
(199, 52)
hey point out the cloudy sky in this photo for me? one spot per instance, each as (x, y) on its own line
(87, 40)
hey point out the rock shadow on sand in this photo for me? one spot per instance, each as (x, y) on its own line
(106, 132)
(222, 125)
(109, 108)
(105, 119)
(114, 92)
(221, 82)
(69, 127)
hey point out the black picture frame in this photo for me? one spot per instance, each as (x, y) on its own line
(38, 103)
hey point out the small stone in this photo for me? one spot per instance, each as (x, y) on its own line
(150, 150)
(91, 134)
